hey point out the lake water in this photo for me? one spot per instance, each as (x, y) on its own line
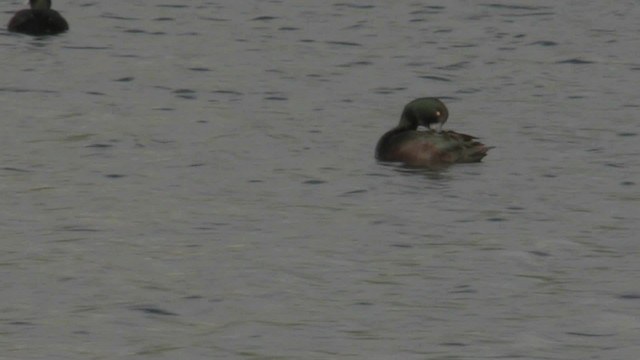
(195, 180)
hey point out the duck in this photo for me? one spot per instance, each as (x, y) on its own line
(39, 20)
(429, 148)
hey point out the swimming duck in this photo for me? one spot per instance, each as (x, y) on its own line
(39, 20)
(427, 148)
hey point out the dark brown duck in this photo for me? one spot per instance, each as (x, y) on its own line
(427, 148)
(39, 20)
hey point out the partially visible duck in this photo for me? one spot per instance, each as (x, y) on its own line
(427, 148)
(39, 20)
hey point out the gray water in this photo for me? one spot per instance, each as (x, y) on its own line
(195, 180)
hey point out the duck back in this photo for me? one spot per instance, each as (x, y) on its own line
(38, 22)
(430, 148)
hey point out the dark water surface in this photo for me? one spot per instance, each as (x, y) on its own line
(195, 180)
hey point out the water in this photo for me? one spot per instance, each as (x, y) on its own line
(197, 181)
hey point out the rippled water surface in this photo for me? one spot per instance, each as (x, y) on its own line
(195, 180)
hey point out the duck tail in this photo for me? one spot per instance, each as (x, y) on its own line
(477, 151)
(470, 149)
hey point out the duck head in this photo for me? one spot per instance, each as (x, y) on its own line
(424, 112)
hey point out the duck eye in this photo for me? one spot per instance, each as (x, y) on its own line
(438, 113)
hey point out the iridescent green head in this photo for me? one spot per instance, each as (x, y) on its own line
(424, 112)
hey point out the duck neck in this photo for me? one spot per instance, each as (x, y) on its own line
(40, 4)
(405, 124)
